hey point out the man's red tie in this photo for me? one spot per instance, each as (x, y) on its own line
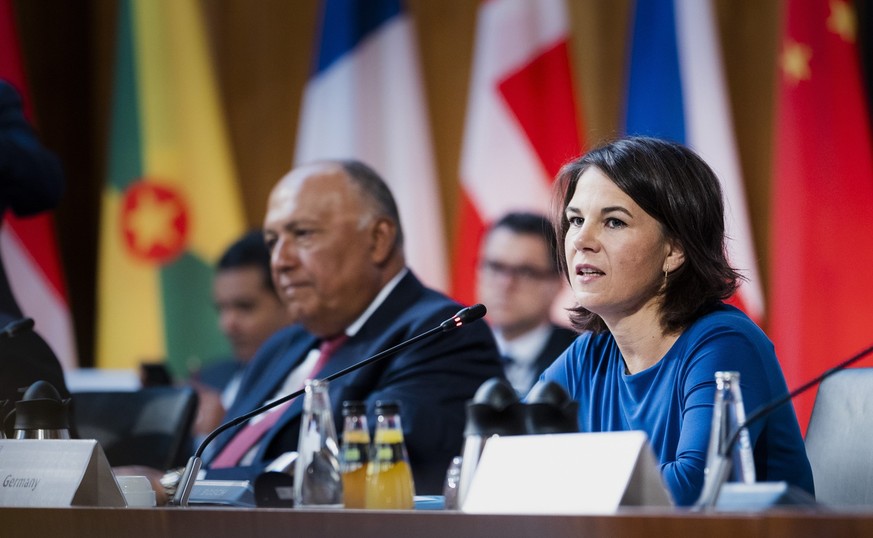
(250, 434)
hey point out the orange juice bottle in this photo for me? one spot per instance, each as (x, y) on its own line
(354, 453)
(389, 477)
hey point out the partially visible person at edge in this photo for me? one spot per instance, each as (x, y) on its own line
(249, 312)
(642, 224)
(31, 181)
(518, 278)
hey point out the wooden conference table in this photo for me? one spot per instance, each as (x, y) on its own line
(216, 522)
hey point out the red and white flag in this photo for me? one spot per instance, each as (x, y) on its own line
(30, 250)
(522, 121)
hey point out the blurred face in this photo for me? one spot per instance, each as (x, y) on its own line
(326, 247)
(616, 252)
(516, 281)
(248, 312)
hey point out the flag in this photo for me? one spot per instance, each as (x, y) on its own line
(171, 203)
(677, 90)
(521, 124)
(822, 203)
(365, 101)
(30, 249)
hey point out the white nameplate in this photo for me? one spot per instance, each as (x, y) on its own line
(56, 473)
(571, 473)
(226, 492)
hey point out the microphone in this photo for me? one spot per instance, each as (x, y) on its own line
(464, 316)
(721, 468)
(186, 482)
(18, 326)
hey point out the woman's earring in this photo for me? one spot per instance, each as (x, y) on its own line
(666, 270)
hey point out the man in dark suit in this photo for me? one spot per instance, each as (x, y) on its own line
(336, 246)
(518, 280)
(249, 312)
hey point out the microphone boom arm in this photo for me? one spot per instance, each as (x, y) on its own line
(709, 496)
(186, 481)
(767, 409)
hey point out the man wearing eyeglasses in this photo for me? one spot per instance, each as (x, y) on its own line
(518, 280)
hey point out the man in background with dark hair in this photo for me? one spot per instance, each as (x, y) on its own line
(249, 312)
(518, 280)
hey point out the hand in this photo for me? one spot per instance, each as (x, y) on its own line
(210, 411)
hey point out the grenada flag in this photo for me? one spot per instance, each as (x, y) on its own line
(171, 203)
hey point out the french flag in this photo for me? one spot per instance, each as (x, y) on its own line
(676, 90)
(522, 121)
(365, 100)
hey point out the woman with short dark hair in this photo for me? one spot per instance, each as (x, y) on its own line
(641, 233)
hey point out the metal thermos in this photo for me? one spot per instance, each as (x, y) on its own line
(42, 414)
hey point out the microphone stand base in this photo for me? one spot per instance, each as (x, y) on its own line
(740, 497)
(237, 493)
(186, 482)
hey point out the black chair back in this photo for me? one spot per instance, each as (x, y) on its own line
(151, 426)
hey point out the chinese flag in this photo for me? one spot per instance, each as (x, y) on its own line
(822, 242)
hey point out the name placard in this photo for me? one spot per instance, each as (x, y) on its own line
(56, 473)
(223, 492)
(570, 473)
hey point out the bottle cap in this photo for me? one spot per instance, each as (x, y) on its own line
(387, 407)
(354, 407)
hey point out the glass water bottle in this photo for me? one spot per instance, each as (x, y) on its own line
(389, 477)
(355, 453)
(317, 478)
(728, 415)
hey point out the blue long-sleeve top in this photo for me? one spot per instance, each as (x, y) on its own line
(672, 401)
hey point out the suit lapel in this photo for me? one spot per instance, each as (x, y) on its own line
(354, 350)
(268, 382)
(367, 342)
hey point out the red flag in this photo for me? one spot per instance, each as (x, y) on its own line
(30, 250)
(521, 121)
(821, 305)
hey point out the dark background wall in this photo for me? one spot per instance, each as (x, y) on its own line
(262, 51)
